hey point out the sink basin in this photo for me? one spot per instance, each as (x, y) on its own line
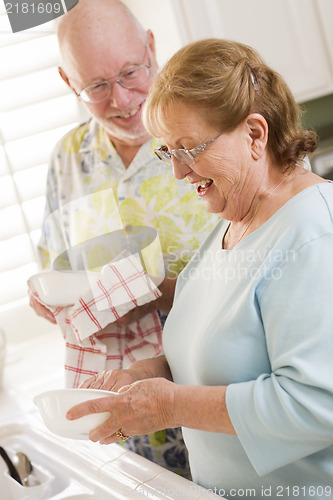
(72, 477)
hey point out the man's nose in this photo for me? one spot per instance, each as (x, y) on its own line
(120, 97)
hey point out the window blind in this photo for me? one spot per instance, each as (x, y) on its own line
(36, 110)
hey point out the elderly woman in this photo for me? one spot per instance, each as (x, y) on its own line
(248, 345)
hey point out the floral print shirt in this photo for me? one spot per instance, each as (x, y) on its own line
(90, 193)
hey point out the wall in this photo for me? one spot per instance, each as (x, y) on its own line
(319, 115)
(159, 16)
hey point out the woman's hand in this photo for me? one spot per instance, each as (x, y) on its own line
(140, 408)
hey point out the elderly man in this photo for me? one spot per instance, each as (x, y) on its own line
(109, 61)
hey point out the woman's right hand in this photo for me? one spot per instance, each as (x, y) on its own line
(139, 408)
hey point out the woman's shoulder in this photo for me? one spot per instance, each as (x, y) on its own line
(325, 191)
(315, 199)
(309, 214)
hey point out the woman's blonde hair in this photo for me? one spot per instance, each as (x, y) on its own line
(226, 81)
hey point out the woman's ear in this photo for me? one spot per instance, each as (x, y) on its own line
(258, 132)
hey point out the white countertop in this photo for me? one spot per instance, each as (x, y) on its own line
(37, 365)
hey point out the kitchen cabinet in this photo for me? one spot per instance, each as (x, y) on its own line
(325, 11)
(295, 37)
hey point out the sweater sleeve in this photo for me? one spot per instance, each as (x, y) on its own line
(287, 414)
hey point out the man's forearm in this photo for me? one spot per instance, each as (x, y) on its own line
(151, 368)
(167, 288)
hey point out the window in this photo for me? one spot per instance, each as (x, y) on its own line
(36, 109)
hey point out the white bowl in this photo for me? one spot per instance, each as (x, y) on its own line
(53, 406)
(59, 288)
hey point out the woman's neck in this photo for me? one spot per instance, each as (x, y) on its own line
(267, 201)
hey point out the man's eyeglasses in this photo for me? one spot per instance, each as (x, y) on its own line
(133, 77)
(186, 156)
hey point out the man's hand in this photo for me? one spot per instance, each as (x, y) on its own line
(41, 310)
(167, 288)
(111, 380)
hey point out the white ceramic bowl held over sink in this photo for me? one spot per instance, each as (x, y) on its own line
(53, 406)
(59, 288)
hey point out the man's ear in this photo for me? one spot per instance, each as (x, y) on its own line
(64, 77)
(151, 42)
(258, 132)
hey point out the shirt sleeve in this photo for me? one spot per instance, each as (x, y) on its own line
(287, 414)
(51, 235)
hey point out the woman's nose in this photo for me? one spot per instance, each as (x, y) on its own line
(180, 170)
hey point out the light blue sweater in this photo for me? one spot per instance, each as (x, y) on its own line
(259, 318)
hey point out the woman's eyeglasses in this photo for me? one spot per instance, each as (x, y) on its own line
(186, 156)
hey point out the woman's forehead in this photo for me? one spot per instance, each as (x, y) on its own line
(180, 120)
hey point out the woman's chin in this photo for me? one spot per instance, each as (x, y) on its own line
(213, 208)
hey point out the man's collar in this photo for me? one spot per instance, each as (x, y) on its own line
(95, 138)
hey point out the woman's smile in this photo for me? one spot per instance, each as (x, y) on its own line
(203, 186)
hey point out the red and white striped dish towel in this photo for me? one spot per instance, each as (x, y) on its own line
(94, 342)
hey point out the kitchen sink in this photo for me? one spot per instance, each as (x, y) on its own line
(82, 470)
(72, 476)
(79, 469)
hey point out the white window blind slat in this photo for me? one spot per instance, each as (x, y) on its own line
(2, 9)
(30, 120)
(10, 258)
(3, 162)
(7, 190)
(31, 183)
(34, 211)
(34, 150)
(32, 88)
(33, 55)
(14, 283)
(35, 236)
(12, 222)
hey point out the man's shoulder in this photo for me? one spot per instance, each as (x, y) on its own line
(72, 141)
